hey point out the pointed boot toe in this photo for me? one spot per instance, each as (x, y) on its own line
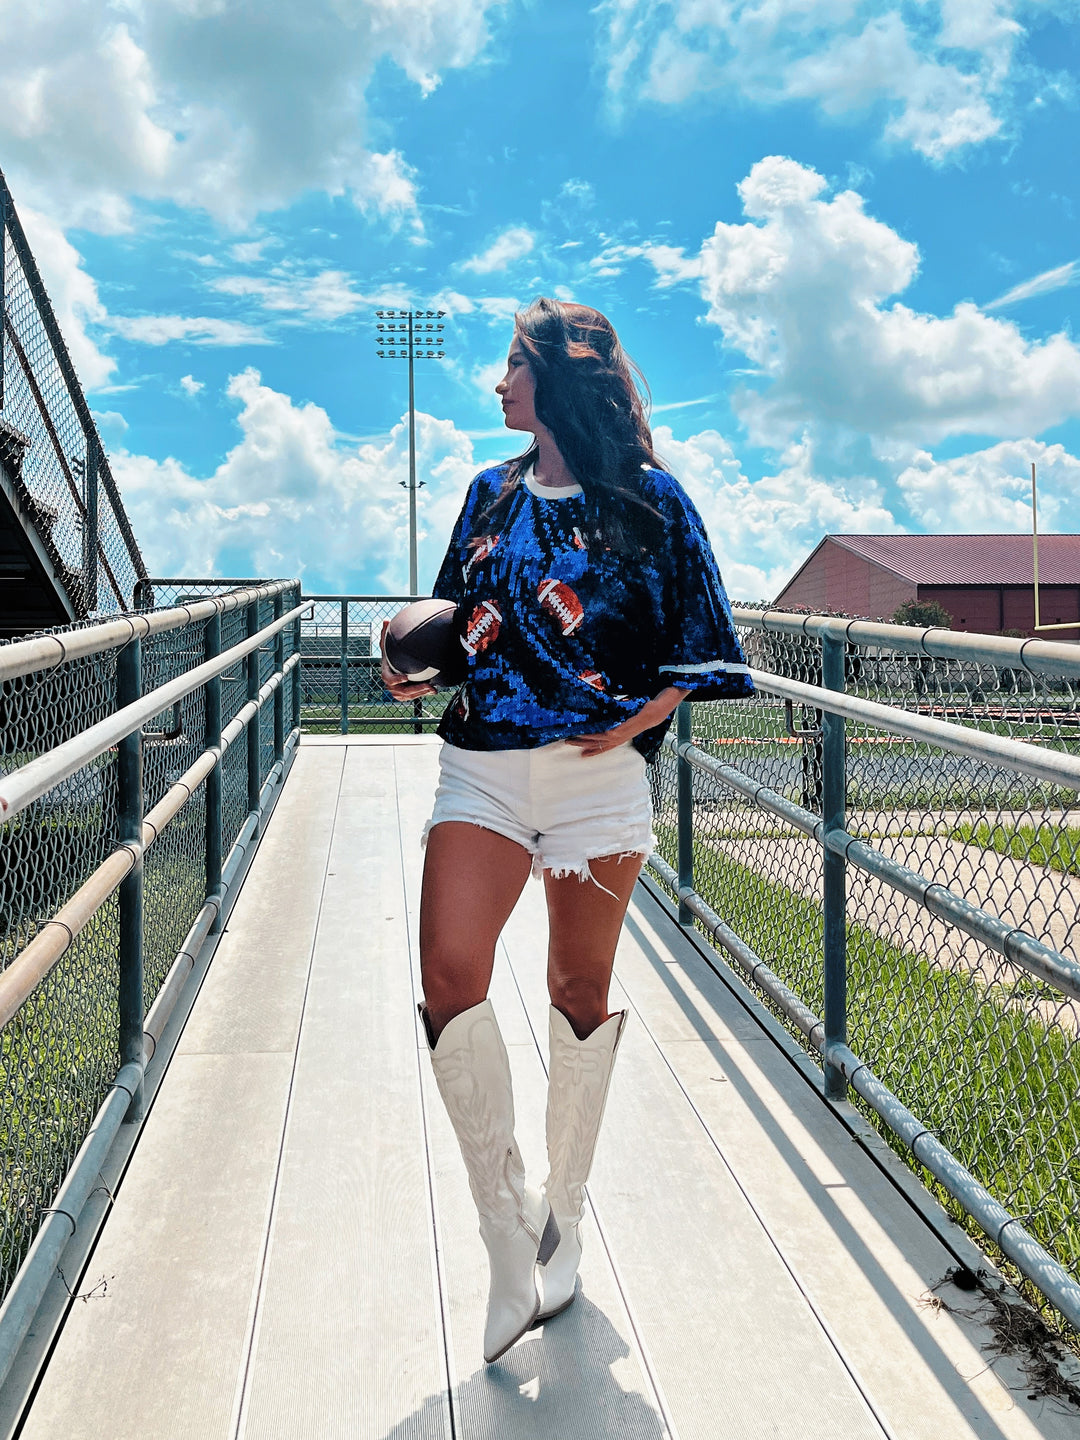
(514, 1297)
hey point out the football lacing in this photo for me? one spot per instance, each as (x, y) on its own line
(560, 607)
(552, 598)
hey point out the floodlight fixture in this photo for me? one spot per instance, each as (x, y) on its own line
(406, 338)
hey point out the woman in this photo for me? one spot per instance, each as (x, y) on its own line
(589, 605)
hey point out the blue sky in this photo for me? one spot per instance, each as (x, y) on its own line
(839, 238)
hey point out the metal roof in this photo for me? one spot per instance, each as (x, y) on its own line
(970, 559)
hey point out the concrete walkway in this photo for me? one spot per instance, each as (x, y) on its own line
(293, 1252)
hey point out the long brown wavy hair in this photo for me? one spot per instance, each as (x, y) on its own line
(594, 400)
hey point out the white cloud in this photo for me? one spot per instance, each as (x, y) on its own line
(683, 404)
(210, 105)
(497, 308)
(802, 290)
(248, 252)
(326, 296)
(989, 491)
(292, 497)
(111, 426)
(1043, 284)
(73, 294)
(511, 245)
(486, 377)
(190, 385)
(762, 530)
(672, 266)
(941, 73)
(580, 190)
(197, 329)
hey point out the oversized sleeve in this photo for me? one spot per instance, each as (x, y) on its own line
(450, 581)
(698, 648)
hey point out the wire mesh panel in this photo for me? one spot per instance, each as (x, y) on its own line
(341, 685)
(49, 446)
(985, 1053)
(59, 1052)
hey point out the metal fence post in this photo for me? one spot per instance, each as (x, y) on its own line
(279, 693)
(90, 537)
(254, 784)
(685, 791)
(212, 649)
(129, 793)
(344, 667)
(297, 669)
(834, 817)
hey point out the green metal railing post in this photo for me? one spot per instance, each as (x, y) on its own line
(685, 791)
(129, 789)
(254, 784)
(344, 667)
(296, 650)
(834, 817)
(279, 693)
(214, 859)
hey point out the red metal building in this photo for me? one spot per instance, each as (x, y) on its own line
(985, 582)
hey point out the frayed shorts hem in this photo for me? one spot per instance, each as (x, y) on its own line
(534, 798)
(559, 869)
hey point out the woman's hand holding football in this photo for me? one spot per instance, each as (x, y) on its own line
(400, 686)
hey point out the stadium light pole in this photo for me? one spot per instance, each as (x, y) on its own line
(412, 335)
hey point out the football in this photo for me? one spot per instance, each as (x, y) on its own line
(561, 604)
(422, 643)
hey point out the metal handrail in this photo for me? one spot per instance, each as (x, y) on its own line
(52, 942)
(369, 599)
(1007, 1231)
(1015, 944)
(1037, 656)
(828, 1033)
(1056, 766)
(122, 870)
(44, 652)
(25, 785)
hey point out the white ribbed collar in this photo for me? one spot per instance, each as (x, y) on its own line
(548, 492)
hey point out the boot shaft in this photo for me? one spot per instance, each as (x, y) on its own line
(579, 1074)
(472, 1071)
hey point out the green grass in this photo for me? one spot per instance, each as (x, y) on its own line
(1055, 846)
(59, 1052)
(990, 1079)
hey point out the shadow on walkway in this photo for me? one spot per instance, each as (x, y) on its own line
(555, 1382)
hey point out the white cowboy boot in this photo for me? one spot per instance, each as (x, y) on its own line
(579, 1072)
(516, 1224)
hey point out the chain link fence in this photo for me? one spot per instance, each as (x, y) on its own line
(984, 1052)
(50, 451)
(340, 682)
(60, 1050)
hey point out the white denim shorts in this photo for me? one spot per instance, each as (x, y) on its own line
(565, 808)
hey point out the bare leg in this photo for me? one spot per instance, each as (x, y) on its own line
(472, 880)
(584, 926)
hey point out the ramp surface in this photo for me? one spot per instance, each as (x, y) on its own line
(293, 1252)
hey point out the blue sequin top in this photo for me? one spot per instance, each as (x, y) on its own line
(567, 637)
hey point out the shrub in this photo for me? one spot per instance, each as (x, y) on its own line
(923, 614)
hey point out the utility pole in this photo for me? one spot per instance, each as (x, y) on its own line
(412, 335)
